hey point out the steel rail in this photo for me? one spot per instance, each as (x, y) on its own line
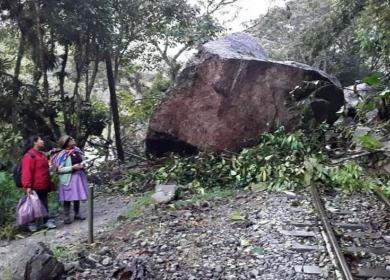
(383, 198)
(331, 236)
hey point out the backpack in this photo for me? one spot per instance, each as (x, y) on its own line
(17, 172)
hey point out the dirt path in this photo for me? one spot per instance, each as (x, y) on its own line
(106, 212)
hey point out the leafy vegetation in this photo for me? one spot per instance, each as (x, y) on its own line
(10, 140)
(346, 38)
(139, 205)
(281, 161)
(350, 177)
(52, 56)
(9, 197)
(276, 162)
(62, 252)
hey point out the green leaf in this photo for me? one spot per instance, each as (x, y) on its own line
(369, 142)
(245, 242)
(258, 250)
(236, 216)
(385, 93)
(267, 158)
(372, 80)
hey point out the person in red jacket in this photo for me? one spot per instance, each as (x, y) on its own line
(36, 175)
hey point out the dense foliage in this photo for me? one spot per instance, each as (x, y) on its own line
(280, 161)
(344, 37)
(52, 54)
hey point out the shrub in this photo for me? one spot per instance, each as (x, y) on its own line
(9, 197)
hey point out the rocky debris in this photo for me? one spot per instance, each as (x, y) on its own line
(107, 261)
(196, 242)
(139, 268)
(72, 266)
(164, 193)
(230, 94)
(355, 93)
(35, 262)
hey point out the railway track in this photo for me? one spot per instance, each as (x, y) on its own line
(358, 232)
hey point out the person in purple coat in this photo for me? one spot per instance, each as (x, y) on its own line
(73, 186)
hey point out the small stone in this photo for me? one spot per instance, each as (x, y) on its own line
(71, 266)
(165, 193)
(218, 269)
(107, 261)
(253, 273)
(103, 251)
(187, 215)
(94, 258)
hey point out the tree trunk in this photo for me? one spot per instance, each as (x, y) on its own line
(114, 107)
(16, 86)
(109, 136)
(65, 105)
(92, 80)
(41, 52)
(79, 65)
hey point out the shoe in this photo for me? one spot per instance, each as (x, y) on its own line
(50, 224)
(79, 217)
(32, 227)
(67, 220)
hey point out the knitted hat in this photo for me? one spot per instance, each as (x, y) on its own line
(63, 141)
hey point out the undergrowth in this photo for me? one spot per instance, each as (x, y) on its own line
(139, 204)
(281, 161)
(9, 197)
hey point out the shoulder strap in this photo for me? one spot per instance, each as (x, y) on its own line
(31, 154)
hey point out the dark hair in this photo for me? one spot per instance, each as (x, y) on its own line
(67, 142)
(30, 143)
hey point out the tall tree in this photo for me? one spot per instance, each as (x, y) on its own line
(178, 26)
(114, 106)
(324, 34)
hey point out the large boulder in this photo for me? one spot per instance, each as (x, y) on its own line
(230, 94)
(34, 262)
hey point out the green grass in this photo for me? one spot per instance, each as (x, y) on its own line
(139, 205)
(212, 194)
(9, 197)
(62, 252)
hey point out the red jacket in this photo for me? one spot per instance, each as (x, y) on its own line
(35, 170)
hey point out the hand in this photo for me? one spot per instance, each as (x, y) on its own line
(29, 190)
(77, 166)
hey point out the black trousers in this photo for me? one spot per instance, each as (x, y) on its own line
(42, 194)
(76, 207)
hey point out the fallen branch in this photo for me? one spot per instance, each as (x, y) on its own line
(135, 155)
(362, 154)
